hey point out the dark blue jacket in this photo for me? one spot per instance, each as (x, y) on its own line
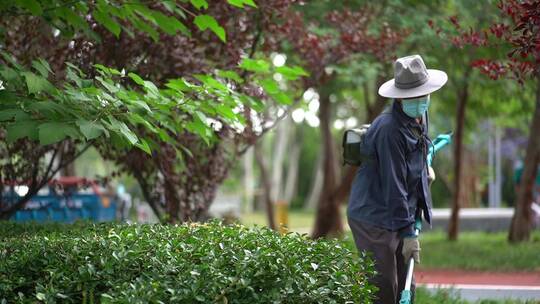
(390, 186)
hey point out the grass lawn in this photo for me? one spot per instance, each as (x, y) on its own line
(445, 297)
(475, 251)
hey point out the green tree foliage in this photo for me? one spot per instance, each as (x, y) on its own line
(119, 16)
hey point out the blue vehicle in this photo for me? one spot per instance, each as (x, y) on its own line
(66, 199)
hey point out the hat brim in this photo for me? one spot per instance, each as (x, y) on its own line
(436, 80)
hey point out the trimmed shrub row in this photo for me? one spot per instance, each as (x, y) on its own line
(192, 263)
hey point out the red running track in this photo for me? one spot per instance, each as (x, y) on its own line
(453, 277)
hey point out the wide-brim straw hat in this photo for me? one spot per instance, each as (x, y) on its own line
(412, 79)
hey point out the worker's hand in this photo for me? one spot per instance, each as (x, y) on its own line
(411, 247)
(431, 175)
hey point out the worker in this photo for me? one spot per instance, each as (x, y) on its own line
(391, 188)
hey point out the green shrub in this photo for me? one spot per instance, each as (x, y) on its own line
(207, 263)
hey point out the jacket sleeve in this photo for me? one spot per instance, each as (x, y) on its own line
(392, 163)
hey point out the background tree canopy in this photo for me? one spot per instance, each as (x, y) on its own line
(174, 94)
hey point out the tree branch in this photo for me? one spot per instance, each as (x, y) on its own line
(144, 188)
(6, 214)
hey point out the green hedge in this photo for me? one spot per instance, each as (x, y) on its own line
(197, 263)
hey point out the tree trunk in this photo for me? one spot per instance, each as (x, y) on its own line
(279, 152)
(374, 109)
(328, 217)
(292, 171)
(69, 151)
(469, 173)
(520, 228)
(267, 187)
(69, 170)
(146, 190)
(463, 96)
(316, 184)
(249, 179)
(165, 162)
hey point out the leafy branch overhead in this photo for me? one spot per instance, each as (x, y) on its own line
(170, 16)
(109, 105)
(85, 108)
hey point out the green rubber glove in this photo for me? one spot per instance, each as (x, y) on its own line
(411, 247)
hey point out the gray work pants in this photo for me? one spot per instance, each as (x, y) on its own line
(385, 246)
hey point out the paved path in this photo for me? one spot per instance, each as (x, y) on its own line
(473, 285)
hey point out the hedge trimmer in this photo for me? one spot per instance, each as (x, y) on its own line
(439, 142)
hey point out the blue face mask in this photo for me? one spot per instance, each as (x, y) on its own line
(415, 107)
